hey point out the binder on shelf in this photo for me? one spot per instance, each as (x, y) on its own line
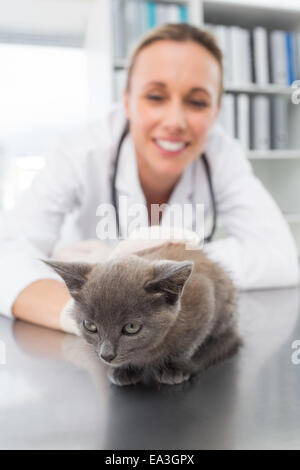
(227, 114)
(174, 14)
(243, 121)
(160, 13)
(278, 57)
(118, 28)
(221, 33)
(279, 123)
(260, 123)
(245, 56)
(141, 18)
(260, 54)
(297, 55)
(151, 7)
(290, 57)
(183, 11)
(236, 49)
(234, 39)
(131, 29)
(239, 54)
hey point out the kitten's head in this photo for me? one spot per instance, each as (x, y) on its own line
(125, 306)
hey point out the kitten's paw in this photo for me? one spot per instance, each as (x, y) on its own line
(171, 376)
(124, 376)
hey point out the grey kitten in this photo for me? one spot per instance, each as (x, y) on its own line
(164, 311)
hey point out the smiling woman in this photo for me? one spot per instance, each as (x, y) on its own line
(172, 99)
(170, 106)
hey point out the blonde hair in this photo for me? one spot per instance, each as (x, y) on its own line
(181, 32)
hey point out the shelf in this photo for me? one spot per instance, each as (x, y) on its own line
(253, 88)
(273, 154)
(249, 88)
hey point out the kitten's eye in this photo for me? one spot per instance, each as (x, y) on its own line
(131, 329)
(90, 326)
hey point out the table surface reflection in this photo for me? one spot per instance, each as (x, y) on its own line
(54, 393)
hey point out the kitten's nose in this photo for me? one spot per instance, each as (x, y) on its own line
(108, 357)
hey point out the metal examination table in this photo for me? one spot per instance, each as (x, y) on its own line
(54, 393)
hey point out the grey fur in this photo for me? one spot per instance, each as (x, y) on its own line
(184, 303)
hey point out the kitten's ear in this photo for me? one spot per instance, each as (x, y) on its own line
(170, 278)
(75, 275)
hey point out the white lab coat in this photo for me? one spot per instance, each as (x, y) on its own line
(61, 205)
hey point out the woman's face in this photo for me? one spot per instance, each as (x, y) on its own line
(172, 104)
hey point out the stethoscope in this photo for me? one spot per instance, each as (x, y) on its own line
(125, 132)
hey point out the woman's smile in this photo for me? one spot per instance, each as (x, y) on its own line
(170, 147)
